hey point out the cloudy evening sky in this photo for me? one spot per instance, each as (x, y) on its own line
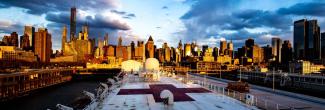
(203, 21)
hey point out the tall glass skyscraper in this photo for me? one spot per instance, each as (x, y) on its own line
(306, 40)
(73, 23)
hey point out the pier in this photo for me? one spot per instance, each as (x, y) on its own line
(18, 84)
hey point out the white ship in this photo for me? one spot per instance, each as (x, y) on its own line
(150, 89)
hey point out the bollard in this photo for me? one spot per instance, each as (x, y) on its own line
(228, 92)
(277, 106)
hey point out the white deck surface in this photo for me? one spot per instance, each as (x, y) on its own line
(203, 101)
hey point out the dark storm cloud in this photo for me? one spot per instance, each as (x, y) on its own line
(58, 13)
(48, 7)
(203, 7)
(39, 7)
(259, 18)
(210, 18)
(312, 9)
(98, 21)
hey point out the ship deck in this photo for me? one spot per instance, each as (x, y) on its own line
(145, 96)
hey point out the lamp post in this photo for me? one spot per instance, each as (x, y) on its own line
(220, 71)
(273, 79)
(240, 68)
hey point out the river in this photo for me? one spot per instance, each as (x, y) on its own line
(47, 98)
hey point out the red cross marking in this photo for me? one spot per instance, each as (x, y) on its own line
(155, 90)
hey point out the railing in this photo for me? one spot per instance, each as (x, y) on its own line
(256, 101)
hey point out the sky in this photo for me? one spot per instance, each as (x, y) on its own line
(205, 22)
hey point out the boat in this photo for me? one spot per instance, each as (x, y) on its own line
(152, 89)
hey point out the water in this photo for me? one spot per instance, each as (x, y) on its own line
(48, 98)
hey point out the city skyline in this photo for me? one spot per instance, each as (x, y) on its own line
(181, 20)
(162, 54)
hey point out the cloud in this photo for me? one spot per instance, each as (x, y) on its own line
(208, 20)
(131, 15)
(311, 8)
(6, 27)
(124, 14)
(118, 12)
(164, 7)
(57, 13)
(39, 7)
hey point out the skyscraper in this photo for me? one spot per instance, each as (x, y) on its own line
(187, 49)
(30, 31)
(119, 41)
(249, 42)
(306, 39)
(140, 52)
(179, 51)
(276, 49)
(100, 51)
(323, 45)
(150, 50)
(73, 23)
(230, 48)
(215, 52)
(286, 50)
(24, 42)
(64, 37)
(14, 39)
(267, 50)
(85, 29)
(204, 48)
(132, 49)
(166, 51)
(106, 39)
(43, 45)
(257, 54)
(223, 47)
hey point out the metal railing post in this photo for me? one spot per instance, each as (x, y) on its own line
(256, 101)
(265, 104)
(223, 91)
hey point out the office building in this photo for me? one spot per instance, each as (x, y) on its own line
(43, 45)
(150, 48)
(30, 31)
(323, 45)
(73, 23)
(286, 51)
(306, 37)
(276, 49)
(24, 42)
(223, 47)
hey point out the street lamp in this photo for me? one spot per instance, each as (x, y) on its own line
(220, 71)
(273, 79)
(240, 68)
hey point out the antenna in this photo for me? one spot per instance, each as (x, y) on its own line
(231, 39)
(74, 3)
